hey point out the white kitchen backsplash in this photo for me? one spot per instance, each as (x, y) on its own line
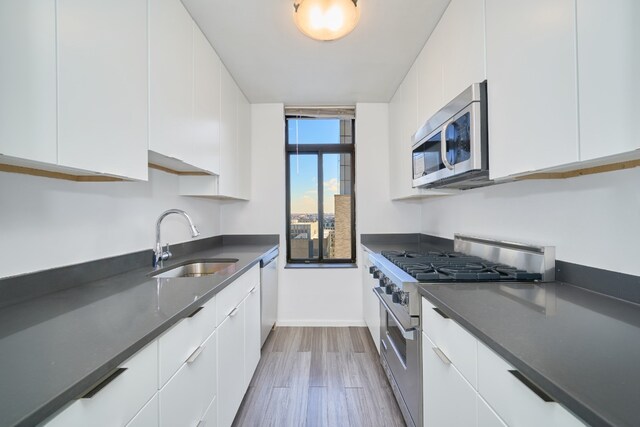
(592, 220)
(47, 223)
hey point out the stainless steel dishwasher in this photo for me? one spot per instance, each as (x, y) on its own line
(268, 293)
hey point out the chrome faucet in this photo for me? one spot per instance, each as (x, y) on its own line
(160, 254)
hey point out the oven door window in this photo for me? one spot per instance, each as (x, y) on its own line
(458, 135)
(397, 340)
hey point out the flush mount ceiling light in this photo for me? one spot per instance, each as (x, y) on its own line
(326, 19)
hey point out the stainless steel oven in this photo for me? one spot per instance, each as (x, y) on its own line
(400, 358)
(450, 149)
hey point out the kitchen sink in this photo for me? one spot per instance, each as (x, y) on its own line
(198, 268)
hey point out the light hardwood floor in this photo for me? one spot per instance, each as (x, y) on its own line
(319, 377)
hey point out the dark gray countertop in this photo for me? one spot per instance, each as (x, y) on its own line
(54, 347)
(581, 347)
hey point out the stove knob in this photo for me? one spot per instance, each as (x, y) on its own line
(372, 269)
(390, 289)
(376, 274)
(396, 297)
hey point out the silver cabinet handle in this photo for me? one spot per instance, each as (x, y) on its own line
(196, 311)
(531, 386)
(440, 312)
(443, 145)
(195, 355)
(233, 312)
(102, 384)
(441, 355)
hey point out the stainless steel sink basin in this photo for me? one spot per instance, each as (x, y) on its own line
(198, 268)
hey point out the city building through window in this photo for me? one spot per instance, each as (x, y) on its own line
(320, 187)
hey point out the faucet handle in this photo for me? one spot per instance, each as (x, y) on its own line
(167, 253)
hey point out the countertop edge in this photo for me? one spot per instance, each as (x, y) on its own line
(563, 397)
(70, 394)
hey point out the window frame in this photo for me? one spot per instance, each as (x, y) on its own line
(320, 150)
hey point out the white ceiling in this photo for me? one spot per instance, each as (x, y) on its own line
(272, 61)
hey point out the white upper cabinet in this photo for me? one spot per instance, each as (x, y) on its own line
(171, 77)
(463, 56)
(206, 103)
(243, 168)
(608, 68)
(430, 82)
(532, 96)
(102, 86)
(28, 79)
(228, 185)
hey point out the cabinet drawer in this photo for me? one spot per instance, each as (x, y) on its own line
(120, 399)
(448, 398)
(148, 416)
(185, 398)
(179, 342)
(516, 403)
(455, 342)
(210, 418)
(231, 296)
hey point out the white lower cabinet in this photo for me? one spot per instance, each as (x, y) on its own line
(371, 306)
(467, 384)
(148, 415)
(448, 399)
(210, 418)
(231, 365)
(185, 398)
(252, 334)
(487, 416)
(116, 400)
(516, 403)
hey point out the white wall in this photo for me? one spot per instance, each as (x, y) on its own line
(46, 223)
(319, 297)
(592, 220)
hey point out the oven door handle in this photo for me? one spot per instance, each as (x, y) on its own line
(443, 146)
(408, 334)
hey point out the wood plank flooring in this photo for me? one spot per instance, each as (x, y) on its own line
(319, 377)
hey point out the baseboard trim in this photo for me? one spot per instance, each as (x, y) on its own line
(321, 323)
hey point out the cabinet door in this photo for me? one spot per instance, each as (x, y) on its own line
(430, 78)
(608, 66)
(102, 86)
(370, 303)
(230, 366)
(171, 80)
(251, 334)
(185, 398)
(148, 416)
(487, 416)
(206, 103)
(28, 79)
(463, 55)
(228, 183)
(120, 399)
(448, 399)
(244, 147)
(531, 84)
(516, 403)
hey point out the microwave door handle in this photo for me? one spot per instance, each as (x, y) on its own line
(443, 145)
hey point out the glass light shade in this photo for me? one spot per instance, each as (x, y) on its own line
(326, 19)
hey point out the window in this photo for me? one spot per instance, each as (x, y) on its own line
(320, 189)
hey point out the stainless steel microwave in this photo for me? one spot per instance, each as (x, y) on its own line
(450, 149)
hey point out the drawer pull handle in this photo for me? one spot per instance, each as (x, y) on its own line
(531, 386)
(441, 355)
(196, 311)
(253, 290)
(384, 344)
(115, 374)
(233, 312)
(440, 312)
(195, 355)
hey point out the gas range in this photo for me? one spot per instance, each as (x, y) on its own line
(473, 260)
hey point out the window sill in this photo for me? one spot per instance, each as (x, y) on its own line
(320, 265)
